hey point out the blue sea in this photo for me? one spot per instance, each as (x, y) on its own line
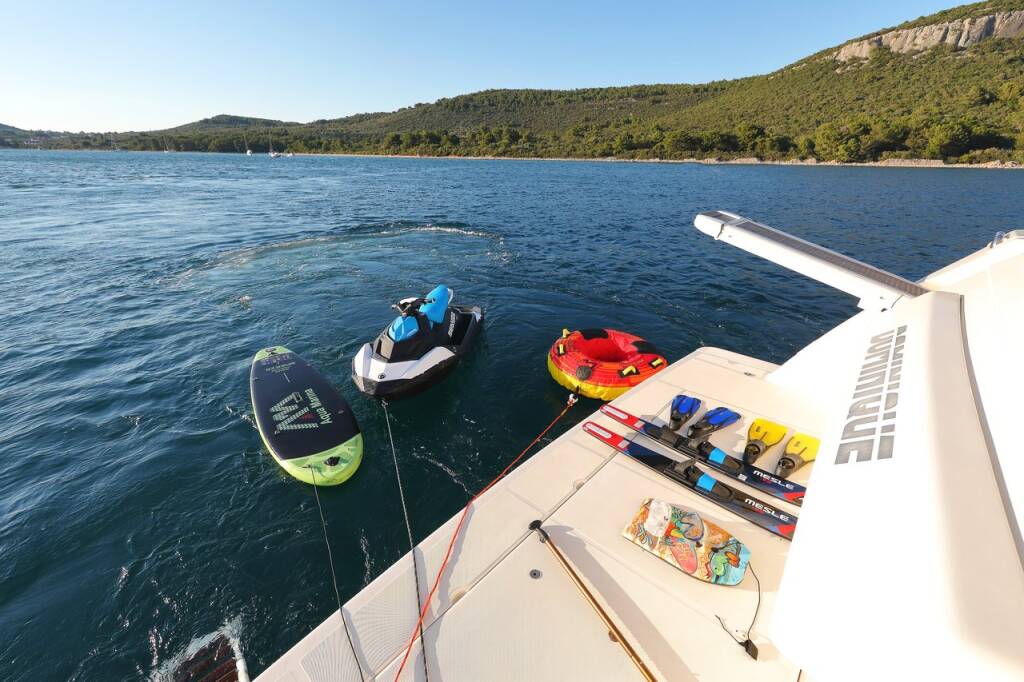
(137, 509)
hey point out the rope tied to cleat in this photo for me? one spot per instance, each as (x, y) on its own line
(418, 629)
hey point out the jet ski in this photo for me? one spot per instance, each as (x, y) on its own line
(418, 349)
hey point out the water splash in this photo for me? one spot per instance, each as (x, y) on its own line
(166, 670)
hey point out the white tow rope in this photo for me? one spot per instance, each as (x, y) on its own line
(408, 530)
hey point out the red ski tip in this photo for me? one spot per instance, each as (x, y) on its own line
(599, 431)
(622, 417)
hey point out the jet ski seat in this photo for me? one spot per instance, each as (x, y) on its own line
(437, 303)
(429, 313)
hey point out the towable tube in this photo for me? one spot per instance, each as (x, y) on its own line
(602, 363)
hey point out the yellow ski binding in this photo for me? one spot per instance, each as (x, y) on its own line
(761, 436)
(800, 450)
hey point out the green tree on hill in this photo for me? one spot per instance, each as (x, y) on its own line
(841, 141)
(948, 139)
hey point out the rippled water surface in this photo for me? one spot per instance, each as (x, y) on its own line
(137, 510)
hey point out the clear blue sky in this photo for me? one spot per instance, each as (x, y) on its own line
(135, 65)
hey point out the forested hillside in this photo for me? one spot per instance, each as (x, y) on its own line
(949, 86)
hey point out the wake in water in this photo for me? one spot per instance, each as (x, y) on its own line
(245, 255)
(443, 467)
(398, 228)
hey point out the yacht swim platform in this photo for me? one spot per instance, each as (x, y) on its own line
(906, 563)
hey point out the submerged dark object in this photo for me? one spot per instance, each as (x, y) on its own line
(217, 661)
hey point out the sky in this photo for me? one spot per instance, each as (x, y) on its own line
(119, 66)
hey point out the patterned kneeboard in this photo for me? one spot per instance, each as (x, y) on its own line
(682, 538)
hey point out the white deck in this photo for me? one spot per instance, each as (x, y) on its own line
(496, 622)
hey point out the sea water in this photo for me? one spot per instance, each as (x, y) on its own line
(138, 513)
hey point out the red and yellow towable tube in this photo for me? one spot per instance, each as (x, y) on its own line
(602, 363)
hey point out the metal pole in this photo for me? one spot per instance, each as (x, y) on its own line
(602, 614)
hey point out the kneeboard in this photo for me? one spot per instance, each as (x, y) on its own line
(304, 422)
(682, 538)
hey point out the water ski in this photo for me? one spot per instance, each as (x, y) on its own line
(304, 422)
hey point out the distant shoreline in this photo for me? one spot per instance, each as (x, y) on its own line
(746, 161)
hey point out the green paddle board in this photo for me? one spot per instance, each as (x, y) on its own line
(304, 422)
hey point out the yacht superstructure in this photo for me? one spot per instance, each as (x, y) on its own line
(906, 562)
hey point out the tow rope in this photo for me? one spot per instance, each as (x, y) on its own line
(408, 530)
(334, 575)
(418, 630)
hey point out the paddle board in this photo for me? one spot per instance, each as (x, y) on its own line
(304, 422)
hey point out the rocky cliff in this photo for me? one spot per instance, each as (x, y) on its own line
(960, 33)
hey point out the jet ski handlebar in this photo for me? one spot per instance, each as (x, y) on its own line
(408, 306)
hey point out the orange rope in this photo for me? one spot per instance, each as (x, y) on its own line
(458, 528)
